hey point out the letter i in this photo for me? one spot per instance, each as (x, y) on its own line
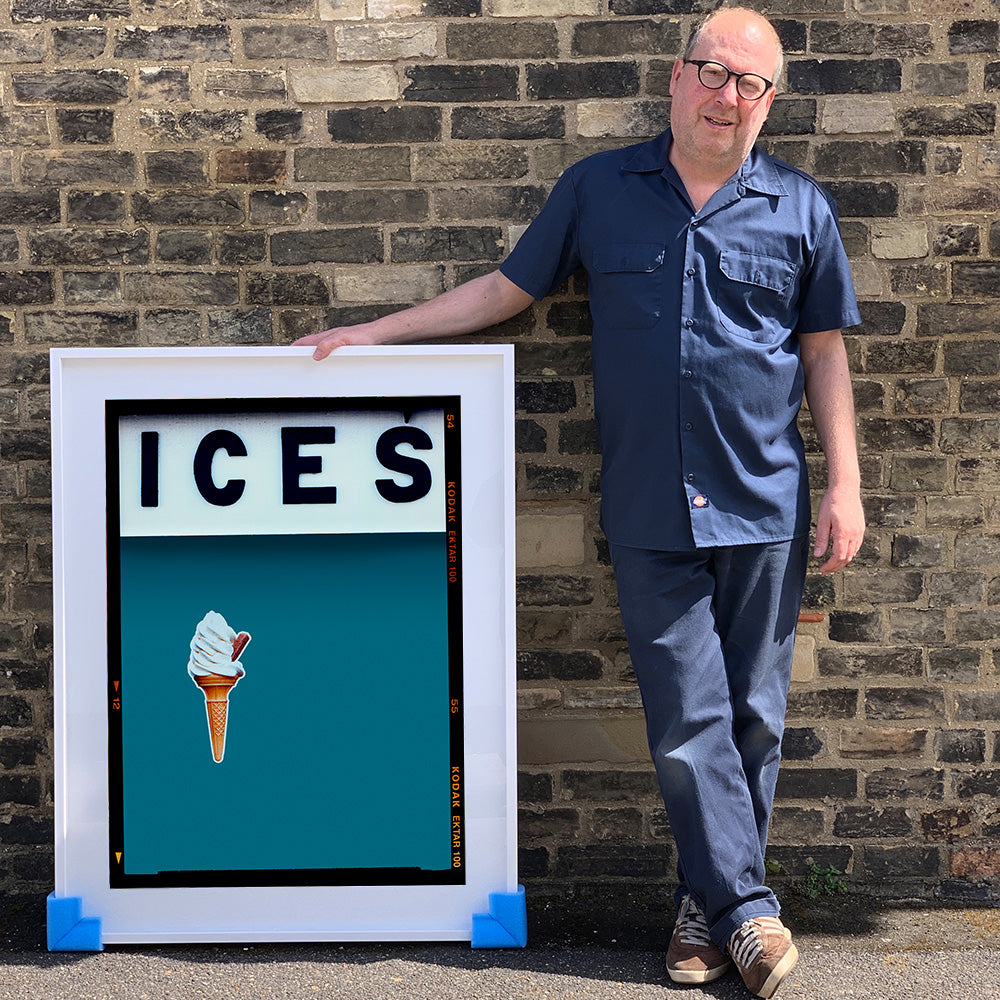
(149, 469)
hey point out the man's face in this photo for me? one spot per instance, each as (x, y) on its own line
(714, 130)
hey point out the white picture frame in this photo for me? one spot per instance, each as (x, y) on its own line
(96, 396)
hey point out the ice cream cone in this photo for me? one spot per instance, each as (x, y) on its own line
(217, 688)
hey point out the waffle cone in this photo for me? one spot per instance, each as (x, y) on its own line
(217, 688)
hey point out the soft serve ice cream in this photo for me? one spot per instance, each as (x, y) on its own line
(213, 648)
(214, 665)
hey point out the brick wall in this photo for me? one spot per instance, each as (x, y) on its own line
(220, 171)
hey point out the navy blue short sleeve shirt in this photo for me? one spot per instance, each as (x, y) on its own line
(697, 319)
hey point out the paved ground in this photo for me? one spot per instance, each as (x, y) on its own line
(885, 954)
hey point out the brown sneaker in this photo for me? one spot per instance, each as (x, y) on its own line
(763, 951)
(692, 956)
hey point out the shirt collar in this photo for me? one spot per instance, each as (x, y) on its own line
(757, 172)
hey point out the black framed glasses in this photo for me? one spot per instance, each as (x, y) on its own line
(714, 76)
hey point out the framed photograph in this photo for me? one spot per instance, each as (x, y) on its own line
(284, 619)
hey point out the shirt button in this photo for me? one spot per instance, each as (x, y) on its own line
(690, 272)
(688, 323)
(690, 477)
(688, 426)
(688, 373)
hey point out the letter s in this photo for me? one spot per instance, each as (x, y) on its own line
(389, 458)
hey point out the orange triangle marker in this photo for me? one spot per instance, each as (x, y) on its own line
(118, 855)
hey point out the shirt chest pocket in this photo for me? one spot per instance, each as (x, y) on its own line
(627, 284)
(753, 295)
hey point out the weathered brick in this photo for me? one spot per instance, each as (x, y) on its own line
(170, 326)
(852, 37)
(183, 208)
(282, 289)
(554, 590)
(905, 702)
(904, 39)
(936, 320)
(245, 85)
(608, 786)
(518, 40)
(942, 79)
(966, 37)
(897, 862)
(29, 207)
(24, 127)
(277, 41)
(945, 824)
(816, 783)
(504, 122)
(193, 126)
(869, 742)
(469, 161)
(959, 119)
(226, 10)
(91, 167)
(88, 246)
(182, 288)
(461, 84)
(163, 84)
(174, 168)
(865, 821)
(517, 203)
(447, 243)
(338, 246)
(917, 550)
(844, 76)
(874, 198)
(71, 44)
(374, 163)
(402, 205)
(26, 288)
(67, 10)
(240, 326)
(241, 248)
(960, 746)
(91, 288)
(279, 124)
(828, 703)
(804, 743)
(197, 43)
(980, 782)
(181, 246)
(562, 81)
(559, 665)
(390, 283)
(977, 706)
(391, 124)
(279, 208)
(91, 125)
(250, 166)
(82, 86)
(900, 783)
(552, 480)
(866, 662)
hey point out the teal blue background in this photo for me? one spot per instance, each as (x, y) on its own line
(337, 750)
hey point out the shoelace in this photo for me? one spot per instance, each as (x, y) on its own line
(692, 928)
(746, 945)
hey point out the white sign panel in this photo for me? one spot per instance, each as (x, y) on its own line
(284, 646)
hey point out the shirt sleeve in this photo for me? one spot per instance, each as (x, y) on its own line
(548, 251)
(827, 300)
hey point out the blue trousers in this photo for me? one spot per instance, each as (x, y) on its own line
(710, 635)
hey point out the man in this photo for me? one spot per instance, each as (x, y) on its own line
(718, 286)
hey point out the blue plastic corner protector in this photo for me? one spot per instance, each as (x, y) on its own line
(68, 929)
(506, 925)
